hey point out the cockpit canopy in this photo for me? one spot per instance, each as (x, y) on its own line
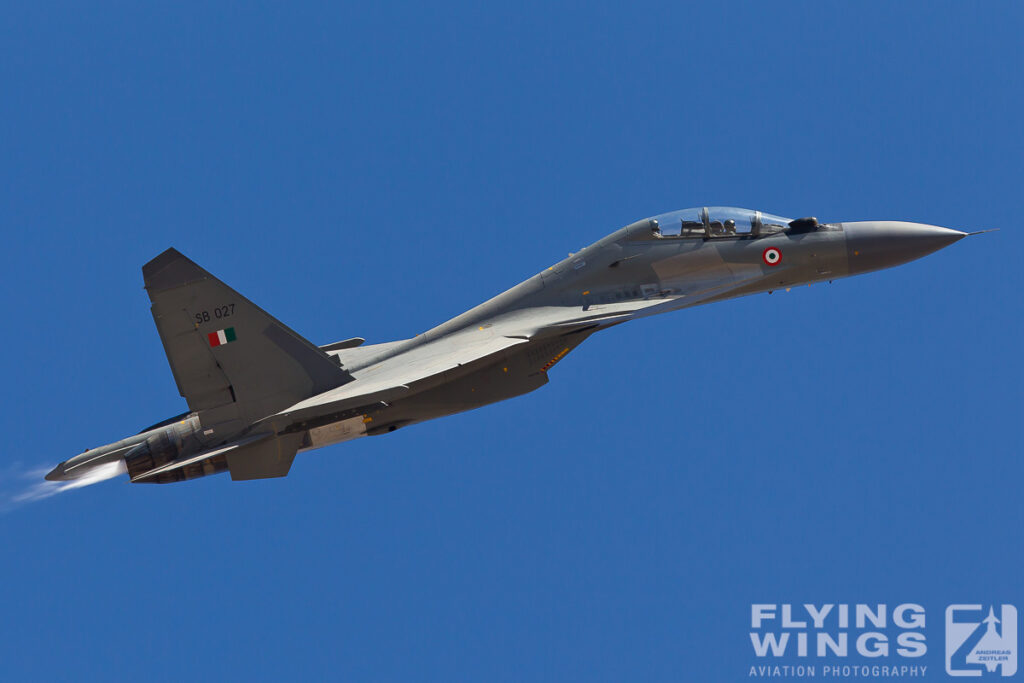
(716, 221)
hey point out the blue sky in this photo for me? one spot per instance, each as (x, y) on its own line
(375, 169)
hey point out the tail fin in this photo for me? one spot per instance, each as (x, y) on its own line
(225, 351)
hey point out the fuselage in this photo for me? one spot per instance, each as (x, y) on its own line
(645, 269)
(656, 265)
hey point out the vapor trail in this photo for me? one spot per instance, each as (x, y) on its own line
(41, 488)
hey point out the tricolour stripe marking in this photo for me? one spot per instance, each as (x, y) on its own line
(221, 337)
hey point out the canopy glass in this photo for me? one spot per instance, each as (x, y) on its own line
(716, 221)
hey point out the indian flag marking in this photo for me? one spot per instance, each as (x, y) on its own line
(221, 336)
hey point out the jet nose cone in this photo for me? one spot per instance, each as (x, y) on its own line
(872, 245)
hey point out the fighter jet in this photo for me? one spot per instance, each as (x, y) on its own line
(258, 392)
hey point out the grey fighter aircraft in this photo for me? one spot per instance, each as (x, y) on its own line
(258, 393)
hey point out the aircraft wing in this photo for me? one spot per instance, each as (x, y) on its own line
(257, 456)
(394, 376)
(398, 374)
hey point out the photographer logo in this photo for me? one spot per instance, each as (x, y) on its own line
(981, 640)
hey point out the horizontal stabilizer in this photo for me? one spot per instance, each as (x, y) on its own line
(264, 459)
(150, 475)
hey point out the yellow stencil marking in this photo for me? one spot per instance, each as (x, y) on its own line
(560, 356)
